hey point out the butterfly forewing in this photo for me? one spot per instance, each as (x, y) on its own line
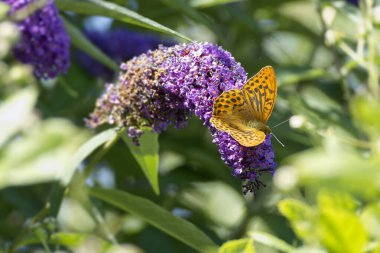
(237, 112)
(260, 93)
(231, 114)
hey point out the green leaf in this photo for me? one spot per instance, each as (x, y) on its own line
(238, 246)
(41, 153)
(81, 42)
(370, 217)
(301, 217)
(211, 3)
(85, 150)
(336, 200)
(3, 10)
(341, 230)
(79, 241)
(146, 154)
(158, 217)
(335, 167)
(343, 19)
(74, 240)
(271, 241)
(16, 112)
(183, 6)
(108, 9)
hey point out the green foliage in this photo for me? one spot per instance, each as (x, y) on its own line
(302, 218)
(334, 223)
(104, 8)
(271, 241)
(81, 42)
(158, 217)
(146, 155)
(64, 187)
(238, 246)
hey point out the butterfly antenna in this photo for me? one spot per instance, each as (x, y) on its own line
(282, 144)
(279, 124)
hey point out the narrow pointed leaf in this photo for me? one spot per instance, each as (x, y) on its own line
(85, 150)
(108, 9)
(81, 42)
(271, 241)
(158, 217)
(238, 246)
(146, 155)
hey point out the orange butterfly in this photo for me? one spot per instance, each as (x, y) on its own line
(243, 114)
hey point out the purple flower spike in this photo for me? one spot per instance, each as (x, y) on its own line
(164, 86)
(120, 45)
(44, 42)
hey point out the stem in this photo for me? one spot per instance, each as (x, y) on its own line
(338, 64)
(26, 228)
(351, 53)
(53, 205)
(99, 155)
(97, 216)
(373, 74)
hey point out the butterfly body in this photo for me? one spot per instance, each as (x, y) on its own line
(259, 126)
(243, 113)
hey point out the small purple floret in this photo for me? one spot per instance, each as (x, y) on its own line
(44, 42)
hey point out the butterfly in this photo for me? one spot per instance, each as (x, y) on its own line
(243, 113)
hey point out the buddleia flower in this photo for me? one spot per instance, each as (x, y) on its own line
(44, 43)
(167, 85)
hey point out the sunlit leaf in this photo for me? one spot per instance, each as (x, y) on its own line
(41, 154)
(16, 112)
(301, 217)
(71, 239)
(339, 227)
(334, 167)
(3, 10)
(370, 218)
(271, 241)
(341, 230)
(155, 215)
(85, 150)
(238, 246)
(342, 19)
(146, 154)
(366, 111)
(337, 200)
(211, 3)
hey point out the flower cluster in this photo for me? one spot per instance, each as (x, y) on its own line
(120, 45)
(164, 86)
(44, 42)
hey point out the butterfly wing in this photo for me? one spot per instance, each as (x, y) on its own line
(231, 114)
(260, 93)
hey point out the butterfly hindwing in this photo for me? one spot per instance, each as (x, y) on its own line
(237, 112)
(243, 134)
(231, 114)
(260, 92)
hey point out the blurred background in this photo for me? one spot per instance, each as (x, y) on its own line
(324, 195)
